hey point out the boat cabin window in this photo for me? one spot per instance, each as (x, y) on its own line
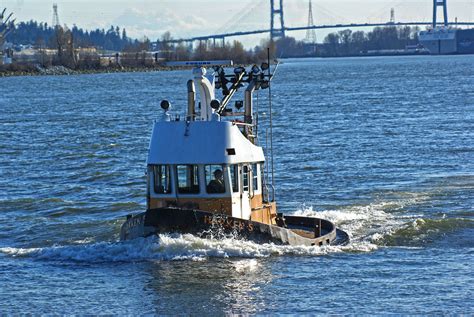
(245, 178)
(215, 179)
(255, 177)
(188, 179)
(162, 179)
(234, 177)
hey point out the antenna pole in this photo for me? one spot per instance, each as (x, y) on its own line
(271, 122)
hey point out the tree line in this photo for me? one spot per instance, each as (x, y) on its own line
(341, 43)
(141, 53)
(210, 50)
(42, 34)
(347, 42)
(351, 43)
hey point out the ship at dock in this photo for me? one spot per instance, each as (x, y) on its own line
(208, 173)
(446, 41)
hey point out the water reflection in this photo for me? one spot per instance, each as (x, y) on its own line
(210, 286)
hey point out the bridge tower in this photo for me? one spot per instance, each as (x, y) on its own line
(436, 4)
(310, 33)
(277, 13)
(55, 16)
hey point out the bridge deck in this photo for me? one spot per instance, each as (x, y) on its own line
(302, 28)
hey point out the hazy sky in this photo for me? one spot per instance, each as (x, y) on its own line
(200, 17)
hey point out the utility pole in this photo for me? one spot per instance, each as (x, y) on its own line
(277, 13)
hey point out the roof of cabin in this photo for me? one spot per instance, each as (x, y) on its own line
(200, 142)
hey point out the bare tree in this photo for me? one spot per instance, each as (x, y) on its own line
(63, 41)
(6, 26)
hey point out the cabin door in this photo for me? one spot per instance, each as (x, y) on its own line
(245, 192)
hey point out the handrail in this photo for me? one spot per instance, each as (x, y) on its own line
(241, 123)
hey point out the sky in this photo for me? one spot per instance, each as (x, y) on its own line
(185, 18)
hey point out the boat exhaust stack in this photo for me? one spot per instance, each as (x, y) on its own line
(249, 102)
(206, 92)
(248, 114)
(191, 100)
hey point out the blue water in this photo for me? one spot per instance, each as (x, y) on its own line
(384, 147)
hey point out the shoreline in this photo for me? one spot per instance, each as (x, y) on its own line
(64, 71)
(34, 70)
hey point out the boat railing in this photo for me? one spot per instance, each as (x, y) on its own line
(242, 123)
(268, 193)
(320, 227)
(273, 192)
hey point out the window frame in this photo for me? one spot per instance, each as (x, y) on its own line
(235, 179)
(195, 180)
(245, 178)
(168, 177)
(255, 178)
(225, 175)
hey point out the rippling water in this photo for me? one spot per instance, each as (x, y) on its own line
(382, 146)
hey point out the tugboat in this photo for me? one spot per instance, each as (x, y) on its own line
(207, 174)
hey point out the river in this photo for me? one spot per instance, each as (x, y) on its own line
(384, 147)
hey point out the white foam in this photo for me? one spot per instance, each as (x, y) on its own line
(175, 247)
(87, 240)
(246, 266)
(366, 225)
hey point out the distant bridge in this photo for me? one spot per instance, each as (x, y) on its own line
(278, 29)
(223, 36)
